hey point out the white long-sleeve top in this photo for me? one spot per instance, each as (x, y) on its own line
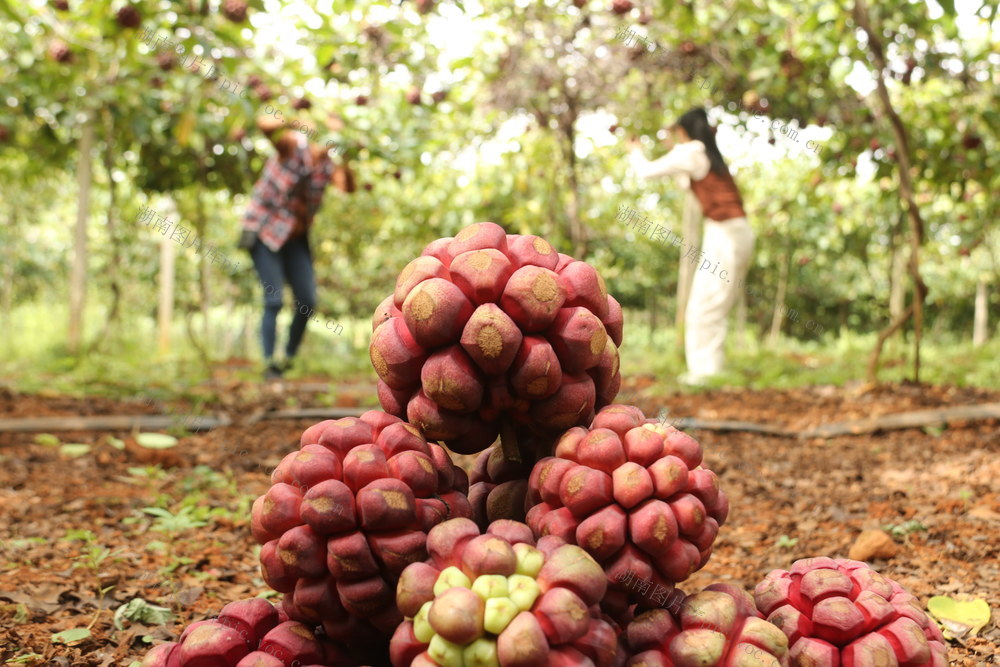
(686, 159)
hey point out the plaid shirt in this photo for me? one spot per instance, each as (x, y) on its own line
(270, 213)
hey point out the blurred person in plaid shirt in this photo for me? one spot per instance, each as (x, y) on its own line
(276, 227)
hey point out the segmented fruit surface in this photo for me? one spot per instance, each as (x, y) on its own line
(499, 598)
(842, 612)
(489, 326)
(717, 626)
(346, 513)
(249, 633)
(635, 495)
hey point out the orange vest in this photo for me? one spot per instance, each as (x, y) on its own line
(719, 197)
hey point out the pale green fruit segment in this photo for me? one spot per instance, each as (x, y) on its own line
(422, 629)
(481, 653)
(522, 590)
(499, 613)
(529, 559)
(698, 647)
(444, 653)
(450, 577)
(489, 586)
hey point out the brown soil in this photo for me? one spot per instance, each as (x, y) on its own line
(790, 499)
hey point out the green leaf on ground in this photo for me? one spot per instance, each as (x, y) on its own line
(74, 449)
(156, 440)
(143, 612)
(47, 439)
(70, 636)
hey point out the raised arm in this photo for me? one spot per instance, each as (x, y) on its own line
(688, 159)
(274, 130)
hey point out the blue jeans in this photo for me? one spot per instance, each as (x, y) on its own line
(293, 262)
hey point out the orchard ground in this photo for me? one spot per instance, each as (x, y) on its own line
(74, 526)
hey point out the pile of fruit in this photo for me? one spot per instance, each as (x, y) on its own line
(565, 543)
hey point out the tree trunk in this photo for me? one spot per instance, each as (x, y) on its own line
(203, 266)
(690, 234)
(578, 234)
(78, 275)
(897, 271)
(778, 316)
(165, 308)
(979, 326)
(909, 203)
(116, 262)
(651, 305)
(7, 288)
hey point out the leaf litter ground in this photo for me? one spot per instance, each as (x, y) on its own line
(79, 539)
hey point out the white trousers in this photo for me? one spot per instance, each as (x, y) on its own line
(727, 247)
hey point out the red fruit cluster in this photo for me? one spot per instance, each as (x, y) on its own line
(634, 494)
(347, 513)
(718, 626)
(247, 633)
(489, 326)
(842, 612)
(500, 599)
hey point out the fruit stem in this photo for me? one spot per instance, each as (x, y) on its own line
(508, 441)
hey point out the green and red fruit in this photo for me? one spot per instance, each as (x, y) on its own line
(499, 599)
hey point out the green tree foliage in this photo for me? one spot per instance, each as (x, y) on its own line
(450, 113)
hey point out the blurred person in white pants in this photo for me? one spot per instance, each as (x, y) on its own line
(727, 244)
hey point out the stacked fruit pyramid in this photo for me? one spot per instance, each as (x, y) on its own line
(566, 543)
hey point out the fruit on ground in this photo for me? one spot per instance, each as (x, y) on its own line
(842, 612)
(489, 327)
(634, 494)
(248, 633)
(718, 626)
(500, 599)
(128, 17)
(235, 10)
(346, 513)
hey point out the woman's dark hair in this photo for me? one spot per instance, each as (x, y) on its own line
(695, 123)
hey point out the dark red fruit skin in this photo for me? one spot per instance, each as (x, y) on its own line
(840, 611)
(347, 513)
(517, 336)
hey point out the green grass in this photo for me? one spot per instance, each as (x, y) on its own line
(34, 358)
(836, 359)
